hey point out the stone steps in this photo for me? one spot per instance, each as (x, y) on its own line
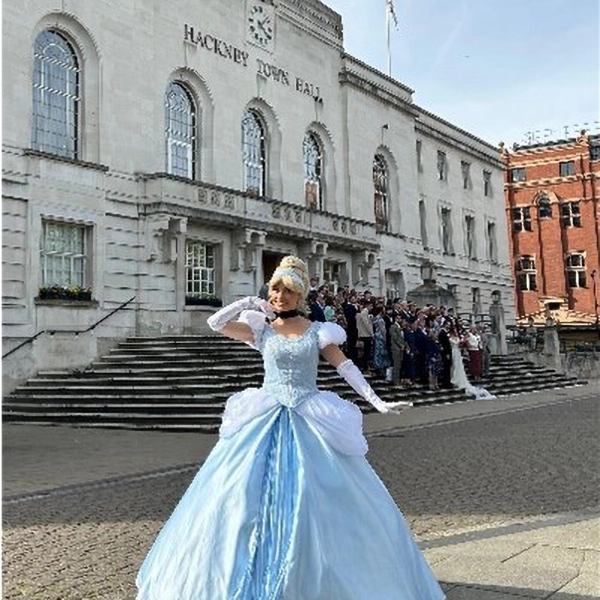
(181, 383)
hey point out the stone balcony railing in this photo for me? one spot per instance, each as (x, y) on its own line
(163, 193)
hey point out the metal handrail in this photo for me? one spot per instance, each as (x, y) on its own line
(90, 328)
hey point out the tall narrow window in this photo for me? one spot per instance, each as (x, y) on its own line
(521, 218)
(446, 216)
(575, 263)
(180, 131)
(200, 270)
(380, 190)
(63, 254)
(526, 274)
(492, 246)
(419, 149)
(487, 184)
(423, 220)
(254, 153)
(56, 96)
(313, 172)
(470, 235)
(442, 166)
(570, 214)
(544, 207)
(465, 169)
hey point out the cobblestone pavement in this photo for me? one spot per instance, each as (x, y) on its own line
(87, 541)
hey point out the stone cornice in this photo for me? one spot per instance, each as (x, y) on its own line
(65, 159)
(315, 18)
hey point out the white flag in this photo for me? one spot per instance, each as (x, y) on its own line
(391, 12)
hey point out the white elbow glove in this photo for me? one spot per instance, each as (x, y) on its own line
(349, 371)
(230, 312)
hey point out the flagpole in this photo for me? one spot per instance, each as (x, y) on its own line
(389, 50)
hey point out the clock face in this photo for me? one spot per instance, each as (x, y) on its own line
(260, 25)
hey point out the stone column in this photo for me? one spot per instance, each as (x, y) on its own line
(552, 345)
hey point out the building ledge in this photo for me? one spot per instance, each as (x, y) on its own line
(66, 303)
(65, 159)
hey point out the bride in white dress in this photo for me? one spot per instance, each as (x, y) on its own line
(458, 375)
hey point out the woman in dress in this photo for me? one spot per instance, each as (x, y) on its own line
(458, 375)
(435, 366)
(381, 356)
(286, 507)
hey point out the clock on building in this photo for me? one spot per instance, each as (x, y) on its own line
(261, 25)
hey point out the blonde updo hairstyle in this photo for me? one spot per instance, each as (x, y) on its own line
(296, 279)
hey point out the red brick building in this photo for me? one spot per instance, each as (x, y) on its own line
(552, 201)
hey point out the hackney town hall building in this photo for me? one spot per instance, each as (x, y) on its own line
(170, 153)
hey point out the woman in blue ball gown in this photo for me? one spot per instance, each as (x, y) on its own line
(286, 507)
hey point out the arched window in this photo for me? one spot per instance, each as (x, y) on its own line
(380, 188)
(313, 172)
(254, 153)
(180, 131)
(544, 207)
(56, 95)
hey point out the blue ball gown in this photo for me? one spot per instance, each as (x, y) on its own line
(286, 507)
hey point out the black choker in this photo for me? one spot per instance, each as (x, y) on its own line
(287, 314)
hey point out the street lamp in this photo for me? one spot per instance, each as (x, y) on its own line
(593, 275)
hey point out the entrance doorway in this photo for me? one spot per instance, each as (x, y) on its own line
(270, 262)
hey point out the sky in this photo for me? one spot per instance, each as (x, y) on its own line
(500, 69)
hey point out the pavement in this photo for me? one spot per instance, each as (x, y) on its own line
(502, 496)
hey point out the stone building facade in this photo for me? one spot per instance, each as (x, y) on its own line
(552, 203)
(173, 152)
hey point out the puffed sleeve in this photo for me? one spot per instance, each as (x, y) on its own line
(331, 333)
(255, 319)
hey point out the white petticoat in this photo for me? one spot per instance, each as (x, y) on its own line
(338, 421)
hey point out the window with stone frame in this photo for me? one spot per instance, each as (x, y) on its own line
(566, 168)
(544, 207)
(470, 245)
(381, 191)
(570, 214)
(64, 249)
(419, 150)
(492, 243)
(180, 131)
(595, 150)
(313, 172)
(575, 265)
(446, 225)
(465, 169)
(442, 166)
(518, 174)
(423, 222)
(56, 96)
(487, 183)
(332, 275)
(200, 271)
(526, 274)
(521, 218)
(254, 153)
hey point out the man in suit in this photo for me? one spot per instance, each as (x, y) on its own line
(398, 344)
(446, 348)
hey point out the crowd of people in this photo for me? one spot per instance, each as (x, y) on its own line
(401, 342)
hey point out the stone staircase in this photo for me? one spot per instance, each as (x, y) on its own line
(182, 383)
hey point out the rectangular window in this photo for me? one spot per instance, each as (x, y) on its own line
(200, 269)
(570, 214)
(487, 184)
(419, 156)
(575, 263)
(526, 274)
(517, 174)
(63, 252)
(492, 247)
(423, 222)
(476, 300)
(595, 151)
(442, 166)
(465, 169)
(522, 218)
(566, 168)
(446, 231)
(470, 236)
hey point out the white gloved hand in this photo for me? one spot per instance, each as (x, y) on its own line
(349, 371)
(230, 312)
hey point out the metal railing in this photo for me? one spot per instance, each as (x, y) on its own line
(29, 340)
